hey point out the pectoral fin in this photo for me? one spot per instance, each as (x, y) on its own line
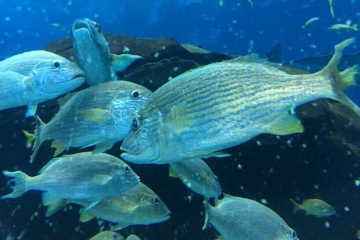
(286, 124)
(103, 146)
(95, 115)
(102, 179)
(31, 110)
(120, 62)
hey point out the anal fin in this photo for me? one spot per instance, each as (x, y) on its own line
(286, 124)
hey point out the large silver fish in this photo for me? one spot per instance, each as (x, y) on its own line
(100, 115)
(34, 77)
(238, 218)
(92, 53)
(81, 176)
(225, 104)
(197, 176)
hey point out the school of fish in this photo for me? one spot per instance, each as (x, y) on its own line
(196, 115)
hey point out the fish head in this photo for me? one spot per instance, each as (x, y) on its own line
(88, 40)
(126, 105)
(145, 141)
(288, 233)
(56, 76)
(125, 175)
(152, 208)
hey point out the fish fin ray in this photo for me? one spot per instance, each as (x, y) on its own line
(59, 147)
(19, 180)
(53, 205)
(286, 124)
(172, 172)
(255, 58)
(120, 62)
(95, 115)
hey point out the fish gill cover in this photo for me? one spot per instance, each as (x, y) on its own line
(321, 163)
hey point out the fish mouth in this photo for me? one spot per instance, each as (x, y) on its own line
(79, 24)
(80, 76)
(167, 216)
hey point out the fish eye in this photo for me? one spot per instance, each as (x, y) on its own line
(135, 123)
(136, 94)
(293, 234)
(97, 26)
(156, 201)
(126, 169)
(56, 64)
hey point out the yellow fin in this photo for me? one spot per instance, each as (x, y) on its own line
(59, 148)
(30, 138)
(85, 216)
(286, 124)
(172, 173)
(120, 62)
(348, 77)
(177, 119)
(95, 115)
(53, 206)
(62, 101)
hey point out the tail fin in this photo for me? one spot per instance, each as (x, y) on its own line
(341, 81)
(19, 180)
(355, 27)
(296, 206)
(207, 209)
(37, 136)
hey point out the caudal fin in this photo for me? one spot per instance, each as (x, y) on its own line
(341, 80)
(296, 206)
(19, 181)
(37, 137)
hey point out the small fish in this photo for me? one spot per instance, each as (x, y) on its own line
(58, 26)
(34, 77)
(197, 176)
(81, 176)
(315, 207)
(331, 8)
(92, 53)
(107, 235)
(245, 219)
(221, 105)
(251, 3)
(100, 115)
(137, 206)
(133, 237)
(340, 28)
(310, 22)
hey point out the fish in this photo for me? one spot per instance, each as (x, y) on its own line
(100, 115)
(245, 219)
(314, 207)
(310, 22)
(197, 176)
(133, 237)
(80, 176)
(250, 2)
(30, 78)
(137, 206)
(92, 54)
(221, 105)
(331, 8)
(58, 26)
(340, 28)
(107, 235)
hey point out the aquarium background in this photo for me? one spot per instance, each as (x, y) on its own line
(236, 28)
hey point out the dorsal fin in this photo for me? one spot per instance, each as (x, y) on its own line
(51, 162)
(255, 58)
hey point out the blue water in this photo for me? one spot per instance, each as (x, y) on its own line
(235, 28)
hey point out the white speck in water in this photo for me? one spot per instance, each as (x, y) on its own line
(264, 201)
(347, 209)
(357, 182)
(239, 166)
(156, 55)
(258, 143)
(327, 224)
(316, 186)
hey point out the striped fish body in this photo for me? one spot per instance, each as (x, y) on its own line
(37, 76)
(100, 115)
(225, 104)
